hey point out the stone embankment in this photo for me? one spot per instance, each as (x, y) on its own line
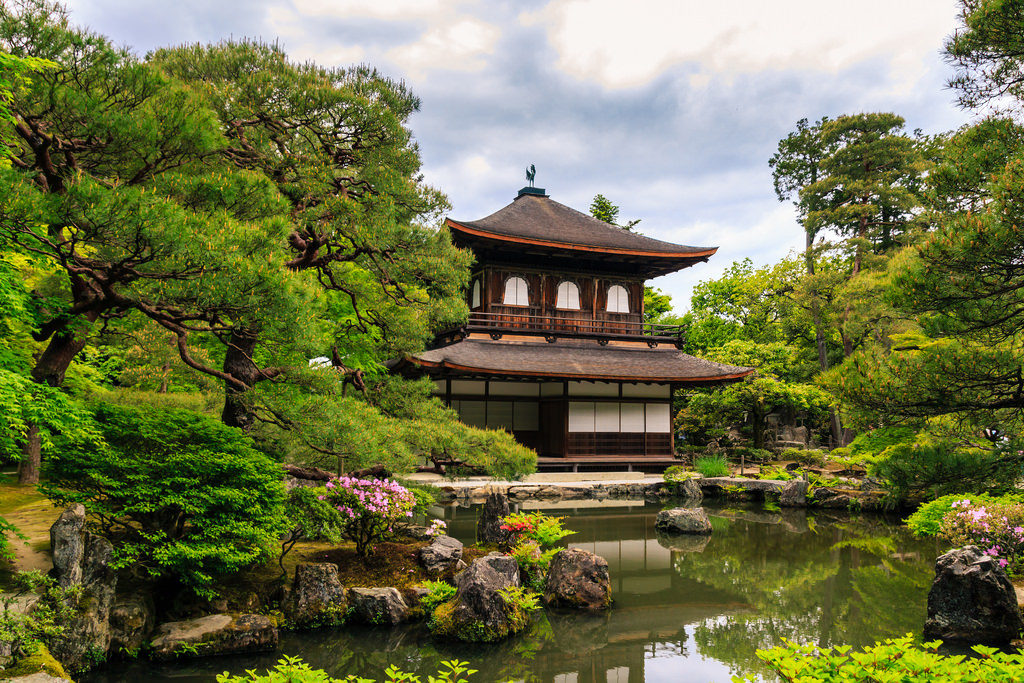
(793, 493)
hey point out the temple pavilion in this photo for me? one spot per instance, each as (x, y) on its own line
(556, 349)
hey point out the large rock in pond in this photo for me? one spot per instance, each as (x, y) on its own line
(578, 579)
(683, 521)
(84, 559)
(378, 606)
(316, 598)
(214, 634)
(488, 526)
(479, 612)
(441, 555)
(131, 621)
(794, 494)
(971, 600)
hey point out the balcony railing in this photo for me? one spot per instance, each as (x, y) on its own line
(560, 326)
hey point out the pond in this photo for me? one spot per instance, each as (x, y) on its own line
(685, 609)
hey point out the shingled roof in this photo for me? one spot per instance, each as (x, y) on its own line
(538, 219)
(576, 359)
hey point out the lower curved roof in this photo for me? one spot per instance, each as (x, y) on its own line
(575, 359)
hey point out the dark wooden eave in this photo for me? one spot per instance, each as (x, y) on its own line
(572, 359)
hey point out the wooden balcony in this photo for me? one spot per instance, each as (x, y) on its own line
(609, 326)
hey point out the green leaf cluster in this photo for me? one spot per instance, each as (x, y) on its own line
(894, 659)
(179, 494)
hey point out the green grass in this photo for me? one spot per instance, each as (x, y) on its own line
(712, 466)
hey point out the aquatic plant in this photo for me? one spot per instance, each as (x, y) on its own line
(370, 508)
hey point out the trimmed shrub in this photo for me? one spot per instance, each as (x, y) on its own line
(370, 508)
(178, 494)
(927, 519)
(935, 470)
(712, 466)
(996, 528)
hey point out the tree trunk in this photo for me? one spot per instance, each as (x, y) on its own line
(239, 364)
(835, 425)
(31, 457)
(50, 368)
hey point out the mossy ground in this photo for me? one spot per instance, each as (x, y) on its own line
(33, 514)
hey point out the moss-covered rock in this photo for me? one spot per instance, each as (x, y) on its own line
(482, 610)
(40, 661)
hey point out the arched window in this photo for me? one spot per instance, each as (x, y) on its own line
(475, 296)
(568, 296)
(618, 299)
(516, 292)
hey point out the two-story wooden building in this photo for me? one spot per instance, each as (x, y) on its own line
(556, 350)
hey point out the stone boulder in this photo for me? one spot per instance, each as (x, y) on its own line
(578, 579)
(84, 559)
(488, 526)
(971, 600)
(378, 606)
(214, 634)
(316, 598)
(683, 521)
(688, 489)
(442, 554)
(794, 494)
(131, 621)
(479, 612)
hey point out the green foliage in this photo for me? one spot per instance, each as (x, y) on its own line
(927, 519)
(894, 659)
(438, 592)
(178, 494)
(768, 390)
(775, 473)
(675, 475)
(533, 562)
(46, 622)
(804, 456)
(986, 51)
(536, 526)
(294, 670)
(311, 517)
(712, 466)
(938, 469)
(6, 529)
(369, 508)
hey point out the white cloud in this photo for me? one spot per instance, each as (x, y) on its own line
(400, 10)
(628, 44)
(461, 45)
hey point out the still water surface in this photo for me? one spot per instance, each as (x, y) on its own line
(685, 609)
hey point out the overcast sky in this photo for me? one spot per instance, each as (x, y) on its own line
(670, 108)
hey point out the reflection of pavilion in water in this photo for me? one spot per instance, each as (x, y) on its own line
(653, 603)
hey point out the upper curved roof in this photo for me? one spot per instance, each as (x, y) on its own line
(538, 219)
